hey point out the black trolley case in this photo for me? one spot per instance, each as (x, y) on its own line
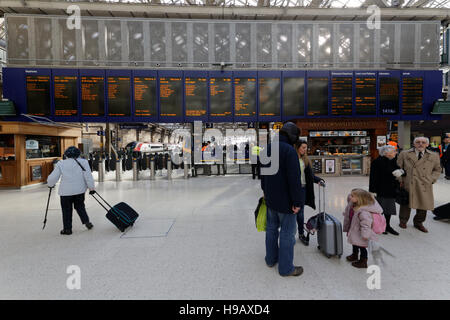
(121, 215)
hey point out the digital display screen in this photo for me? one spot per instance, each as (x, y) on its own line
(196, 96)
(269, 96)
(294, 96)
(145, 103)
(341, 96)
(170, 95)
(412, 96)
(38, 95)
(365, 98)
(244, 97)
(66, 95)
(92, 96)
(317, 96)
(119, 103)
(220, 97)
(389, 95)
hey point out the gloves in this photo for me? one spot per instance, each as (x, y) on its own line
(322, 183)
(92, 192)
(398, 173)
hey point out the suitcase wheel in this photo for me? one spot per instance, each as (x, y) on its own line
(340, 256)
(318, 247)
(328, 256)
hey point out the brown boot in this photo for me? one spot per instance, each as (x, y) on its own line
(361, 263)
(352, 257)
(402, 225)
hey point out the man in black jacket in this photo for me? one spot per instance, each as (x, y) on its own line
(283, 201)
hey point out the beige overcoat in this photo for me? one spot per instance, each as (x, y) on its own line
(420, 176)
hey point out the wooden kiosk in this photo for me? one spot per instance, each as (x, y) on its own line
(28, 150)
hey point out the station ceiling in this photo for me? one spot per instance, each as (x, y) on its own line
(339, 10)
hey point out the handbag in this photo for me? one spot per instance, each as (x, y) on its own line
(261, 215)
(402, 196)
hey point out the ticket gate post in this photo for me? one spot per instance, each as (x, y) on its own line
(135, 170)
(152, 167)
(186, 167)
(118, 169)
(169, 168)
(101, 170)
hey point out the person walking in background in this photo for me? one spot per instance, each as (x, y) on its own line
(256, 165)
(307, 190)
(358, 224)
(283, 201)
(444, 154)
(419, 169)
(384, 184)
(74, 183)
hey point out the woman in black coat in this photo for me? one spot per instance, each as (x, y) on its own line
(307, 179)
(384, 184)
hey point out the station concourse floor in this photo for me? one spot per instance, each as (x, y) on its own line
(196, 239)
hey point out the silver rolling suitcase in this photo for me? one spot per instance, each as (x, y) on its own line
(329, 234)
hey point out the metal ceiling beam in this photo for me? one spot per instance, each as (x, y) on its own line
(206, 11)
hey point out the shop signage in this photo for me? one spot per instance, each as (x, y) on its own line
(329, 166)
(36, 173)
(381, 141)
(31, 145)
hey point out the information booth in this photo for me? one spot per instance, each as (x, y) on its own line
(28, 150)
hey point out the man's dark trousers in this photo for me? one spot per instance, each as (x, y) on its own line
(67, 205)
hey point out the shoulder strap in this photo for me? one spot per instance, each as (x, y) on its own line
(79, 164)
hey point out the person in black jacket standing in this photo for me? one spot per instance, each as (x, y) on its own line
(283, 201)
(307, 192)
(383, 182)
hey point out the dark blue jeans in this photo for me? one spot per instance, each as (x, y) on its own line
(301, 213)
(283, 253)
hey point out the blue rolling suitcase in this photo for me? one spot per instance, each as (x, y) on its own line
(121, 215)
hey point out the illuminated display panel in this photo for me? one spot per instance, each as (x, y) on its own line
(92, 96)
(170, 94)
(66, 95)
(244, 97)
(317, 96)
(145, 103)
(341, 96)
(389, 88)
(269, 96)
(119, 103)
(220, 97)
(365, 99)
(38, 95)
(294, 96)
(196, 90)
(412, 96)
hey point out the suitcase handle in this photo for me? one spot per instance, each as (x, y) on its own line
(320, 202)
(96, 193)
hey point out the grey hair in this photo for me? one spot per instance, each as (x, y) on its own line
(385, 149)
(426, 139)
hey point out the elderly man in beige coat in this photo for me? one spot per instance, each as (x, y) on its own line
(420, 168)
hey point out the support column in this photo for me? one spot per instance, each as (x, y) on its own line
(404, 134)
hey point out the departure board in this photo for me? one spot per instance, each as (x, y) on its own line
(317, 96)
(341, 96)
(92, 96)
(412, 95)
(66, 95)
(294, 96)
(244, 97)
(389, 95)
(220, 97)
(269, 96)
(196, 96)
(38, 95)
(119, 103)
(145, 103)
(365, 98)
(170, 94)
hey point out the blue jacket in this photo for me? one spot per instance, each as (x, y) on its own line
(282, 190)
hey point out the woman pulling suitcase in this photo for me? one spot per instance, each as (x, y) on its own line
(74, 183)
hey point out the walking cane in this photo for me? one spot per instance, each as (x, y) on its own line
(46, 210)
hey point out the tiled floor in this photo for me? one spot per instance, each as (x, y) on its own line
(196, 239)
